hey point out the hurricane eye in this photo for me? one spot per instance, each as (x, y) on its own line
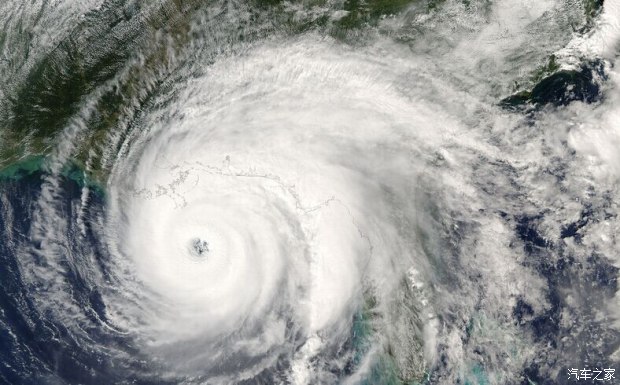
(199, 247)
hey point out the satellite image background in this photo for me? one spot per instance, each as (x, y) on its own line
(309, 192)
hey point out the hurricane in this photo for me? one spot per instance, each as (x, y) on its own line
(309, 192)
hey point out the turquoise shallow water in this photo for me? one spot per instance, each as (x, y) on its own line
(37, 164)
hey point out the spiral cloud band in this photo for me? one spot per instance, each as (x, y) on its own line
(254, 218)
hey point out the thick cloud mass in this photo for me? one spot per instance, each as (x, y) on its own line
(292, 173)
